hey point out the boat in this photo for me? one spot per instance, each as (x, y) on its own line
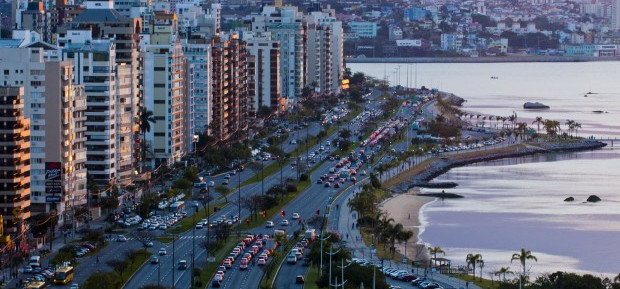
(597, 111)
(535, 105)
(494, 77)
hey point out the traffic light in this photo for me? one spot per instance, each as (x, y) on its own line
(264, 214)
(317, 212)
(282, 213)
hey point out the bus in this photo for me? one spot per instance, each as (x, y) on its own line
(36, 285)
(63, 275)
(177, 206)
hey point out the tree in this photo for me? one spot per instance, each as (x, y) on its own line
(130, 256)
(108, 203)
(481, 265)
(102, 280)
(472, 260)
(502, 272)
(522, 257)
(345, 134)
(144, 237)
(191, 174)
(434, 251)
(145, 118)
(119, 267)
(617, 278)
(263, 111)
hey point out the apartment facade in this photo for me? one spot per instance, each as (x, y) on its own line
(287, 27)
(230, 91)
(65, 136)
(14, 161)
(164, 92)
(198, 105)
(44, 81)
(264, 71)
(325, 51)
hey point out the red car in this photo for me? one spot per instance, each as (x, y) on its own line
(327, 185)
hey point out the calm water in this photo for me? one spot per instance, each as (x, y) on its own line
(561, 86)
(510, 204)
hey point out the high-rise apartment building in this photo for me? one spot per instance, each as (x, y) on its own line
(164, 79)
(14, 161)
(287, 27)
(230, 91)
(199, 72)
(325, 68)
(109, 109)
(264, 71)
(65, 136)
(105, 22)
(46, 85)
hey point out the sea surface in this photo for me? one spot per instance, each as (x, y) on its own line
(519, 203)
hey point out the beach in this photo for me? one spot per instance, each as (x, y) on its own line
(405, 209)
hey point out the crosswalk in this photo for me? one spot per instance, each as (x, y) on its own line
(177, 237)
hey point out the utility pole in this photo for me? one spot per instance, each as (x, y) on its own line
(238, 206)
(193, 246)
(321, 240)
(331, 253)
(173, 261)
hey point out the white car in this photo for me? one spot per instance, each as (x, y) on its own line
(122, 238)
(295, 216)
(199, 225)
(211, 183)
(269, 224)
(163, 252)
(284, 222)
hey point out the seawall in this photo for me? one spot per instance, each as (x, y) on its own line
(442, 164)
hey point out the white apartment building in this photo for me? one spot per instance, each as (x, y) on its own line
(264, 70)
(325, 51)
(286, 26)
(199, 111)
(164, 92)
(96, 70)
(56, 108)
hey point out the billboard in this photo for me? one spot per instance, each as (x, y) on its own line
(53, 180)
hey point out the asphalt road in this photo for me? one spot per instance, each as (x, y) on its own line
(148, 274)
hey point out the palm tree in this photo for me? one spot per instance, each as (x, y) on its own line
(523, 256)
(539, 120)
(617, 278)
(571, 125)
(434, 251)
(481, 265)
(472, 259)
(145, 118)
(503, 271)
(576, 127)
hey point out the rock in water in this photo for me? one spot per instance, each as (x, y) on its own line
(569, 199)
(593, 199)
(535, 105)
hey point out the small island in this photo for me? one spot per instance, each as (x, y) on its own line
(593, 199)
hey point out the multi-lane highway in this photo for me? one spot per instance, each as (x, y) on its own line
(162, 272)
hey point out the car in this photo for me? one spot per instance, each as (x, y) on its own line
(243, 265)
(199, 225)
(154, 260)
(221, 268)
(211, 184)
(162, 252)
(295, 216)
(148, 244)
(261, 261)
(299, 279)
(327, 185)
(27, 269)
(182, 264)
(225, 182)
(284, 222)
(74, 286)
(319, 181)
(121, 238)
(291, 259)
(337, 185)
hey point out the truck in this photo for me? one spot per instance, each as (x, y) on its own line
(35, 261)
(310, 234)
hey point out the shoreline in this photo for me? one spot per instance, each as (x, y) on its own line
(490, 59)
(407, 201)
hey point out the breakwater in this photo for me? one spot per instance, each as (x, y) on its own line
(442, 164)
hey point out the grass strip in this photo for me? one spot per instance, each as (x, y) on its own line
(312, 277)
(259, 221)
(208, 271)
(270, 271)
(141, 258)
(188, 223)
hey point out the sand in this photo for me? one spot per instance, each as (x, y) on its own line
(405, 209)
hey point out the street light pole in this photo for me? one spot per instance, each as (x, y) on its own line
(193, 246)
(239, 205)
(172, 260)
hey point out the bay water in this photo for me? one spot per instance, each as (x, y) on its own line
(519, 203)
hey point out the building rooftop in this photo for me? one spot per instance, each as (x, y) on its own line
(99, 15)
